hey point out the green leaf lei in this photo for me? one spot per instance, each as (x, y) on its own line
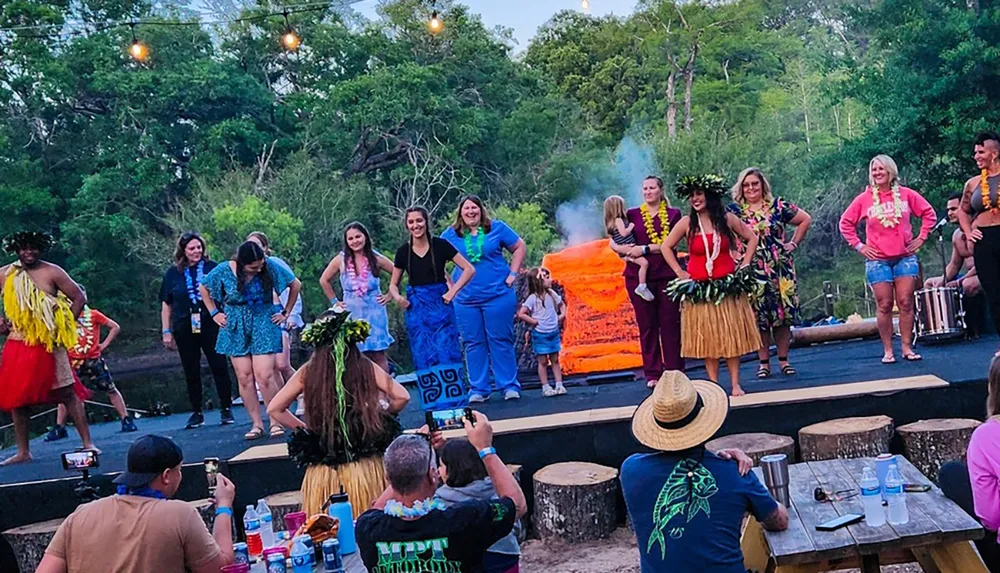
(475, 255)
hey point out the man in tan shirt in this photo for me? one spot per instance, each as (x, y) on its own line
(141, 529)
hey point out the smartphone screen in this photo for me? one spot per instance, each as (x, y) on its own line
(80, 460)
(211, 473)
(449, 419)
(839, 522)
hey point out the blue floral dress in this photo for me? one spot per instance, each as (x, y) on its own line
(249, 330)
(777, 304)
(361, 301)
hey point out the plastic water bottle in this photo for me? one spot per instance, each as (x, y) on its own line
(266, 524)
(898, 514)
(251, 527)
(871, 496)
(302, 557)
(340, 507)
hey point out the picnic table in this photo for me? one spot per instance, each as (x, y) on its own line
(938, 535)
(352, 564)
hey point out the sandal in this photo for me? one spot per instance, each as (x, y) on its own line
(254, 434)
(764, 370)
(548, 391)
(276, 432)
(652, 383)
(912, 357)
(560, 389)
(786, 368)
(888, 360)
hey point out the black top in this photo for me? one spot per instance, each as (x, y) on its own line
(457, 536)
(421, 272)
(174, 291)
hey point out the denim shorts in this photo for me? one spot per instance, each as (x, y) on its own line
(545, 342)
(888, 271)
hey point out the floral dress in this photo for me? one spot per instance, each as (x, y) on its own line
(249, 330)
(361, 292)
(777, 303)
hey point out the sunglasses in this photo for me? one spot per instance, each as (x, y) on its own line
(821, 495)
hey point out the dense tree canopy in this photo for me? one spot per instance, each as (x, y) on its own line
(223, 131)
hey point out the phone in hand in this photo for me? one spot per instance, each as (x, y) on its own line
(80, 461)
(842, 521)
(448, 419)
(211, 474)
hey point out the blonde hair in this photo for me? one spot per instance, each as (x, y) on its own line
(765, 185)
(890, 167)
(614, 208)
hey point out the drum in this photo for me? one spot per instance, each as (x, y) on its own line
(940, 315)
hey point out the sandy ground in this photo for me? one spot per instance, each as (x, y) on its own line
(617, 554)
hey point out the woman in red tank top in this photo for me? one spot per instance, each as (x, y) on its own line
(716, 318)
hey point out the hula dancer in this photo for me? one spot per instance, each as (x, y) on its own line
(41, 303)
(349, 428)
(430, 317)
(716, 318)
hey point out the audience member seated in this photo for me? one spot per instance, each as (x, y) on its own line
(141, 529)
(687, 504)
(350, 424)
(976, 488)
(409, 526)
(465, 478)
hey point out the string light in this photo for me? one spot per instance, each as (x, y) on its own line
(585, 6)
(137, 50)
(435, 25)
(290, 40)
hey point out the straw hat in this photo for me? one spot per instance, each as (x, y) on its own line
(680, 414)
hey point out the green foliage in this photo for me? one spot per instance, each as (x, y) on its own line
(534, 227)
(233, 222)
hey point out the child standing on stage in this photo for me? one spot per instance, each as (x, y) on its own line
(87, 360)
(621, 233)
(544, 311)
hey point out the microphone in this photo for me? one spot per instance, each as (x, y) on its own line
(940, 224)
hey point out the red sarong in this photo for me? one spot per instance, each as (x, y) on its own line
(28, 376)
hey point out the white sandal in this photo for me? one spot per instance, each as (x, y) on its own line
(548, 391)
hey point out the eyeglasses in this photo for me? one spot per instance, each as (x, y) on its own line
(821, 495)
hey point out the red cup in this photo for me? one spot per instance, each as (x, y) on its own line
(235, 568)
(293, 521)
(271, 550)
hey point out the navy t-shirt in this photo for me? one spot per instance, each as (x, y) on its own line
(690, 523)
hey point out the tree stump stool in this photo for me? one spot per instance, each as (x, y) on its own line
(575, 501)
(846, 438)
(756, 445)
(928, 444)
(282, 504)
(30, 541)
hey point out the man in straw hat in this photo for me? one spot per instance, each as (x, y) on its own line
(687, 504)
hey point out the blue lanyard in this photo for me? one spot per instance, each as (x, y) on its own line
(194, 295)
(144, 491)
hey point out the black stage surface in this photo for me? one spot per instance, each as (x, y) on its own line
(591, 423)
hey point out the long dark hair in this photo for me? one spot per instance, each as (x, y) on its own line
(248, 253)
(364, 413)
(484, 217)
(463, 463)
(993, 387)
(367, 251)
(180, 259)
(427, 233)
(716, 213)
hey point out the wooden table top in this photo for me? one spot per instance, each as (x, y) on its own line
(934, 518)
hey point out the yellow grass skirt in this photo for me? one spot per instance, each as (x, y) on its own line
(363, 480)
(724, 330)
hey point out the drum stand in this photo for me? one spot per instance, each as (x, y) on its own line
(934, 316)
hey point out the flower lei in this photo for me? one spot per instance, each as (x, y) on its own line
(194, 294)
(742, 282)
(358, 280)
(647, 221)
(984, 191)
(475, 255)
(419, 509)
(879, 208)
(712, 253)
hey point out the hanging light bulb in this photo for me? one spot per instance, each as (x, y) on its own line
(137, 50)
(435, 25)
(290, 40)
(585, 6)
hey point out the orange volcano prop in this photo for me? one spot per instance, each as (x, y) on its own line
(600, 333)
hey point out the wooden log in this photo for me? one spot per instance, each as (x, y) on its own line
(930, 443)
(30, 541)
(575, 501)
(845, 438)
(756, 445)
(282, 504)
(819, 334)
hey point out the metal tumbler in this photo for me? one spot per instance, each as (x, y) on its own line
(775, 469)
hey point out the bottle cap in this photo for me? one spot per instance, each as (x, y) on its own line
(338, 498)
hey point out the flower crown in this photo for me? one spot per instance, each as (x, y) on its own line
(709, 184)
(17, 241)
(324, 331)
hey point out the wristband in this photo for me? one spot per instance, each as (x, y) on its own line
(167, 331)
(487, 451)
(224, 510)
(214, 312)
(333, 301)
(512, 274)
(645, 250)
(793, 244)
(859, 247)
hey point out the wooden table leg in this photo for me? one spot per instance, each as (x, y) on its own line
(869, 564)
(958, 557)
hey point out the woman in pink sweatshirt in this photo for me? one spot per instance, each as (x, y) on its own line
(889, 247)
(984, 469)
